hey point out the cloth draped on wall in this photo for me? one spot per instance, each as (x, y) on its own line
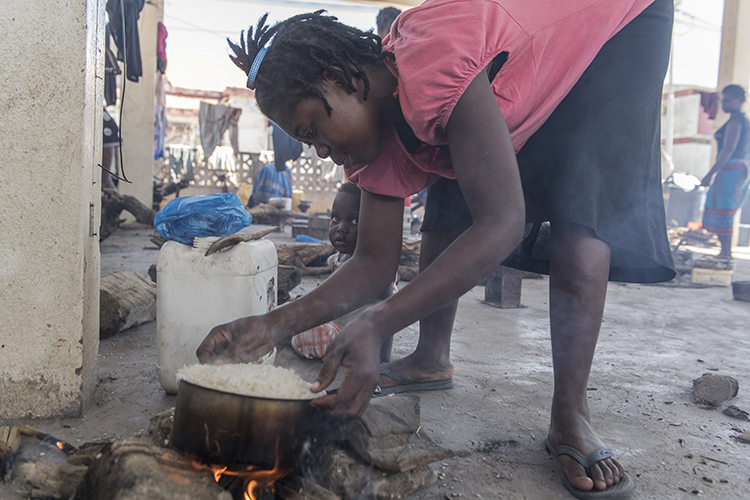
(710, 103)
(284, 148)
(127, 41)
(215, 119)
(160, 117)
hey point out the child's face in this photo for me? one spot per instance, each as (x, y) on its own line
(351, 135)
(344, 222)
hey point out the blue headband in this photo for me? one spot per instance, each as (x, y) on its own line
(255, 67)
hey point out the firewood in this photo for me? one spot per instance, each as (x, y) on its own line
(304, 255)
(51, 480)
(126, 299)
(130, 469)
(10, 439)
(112, 207)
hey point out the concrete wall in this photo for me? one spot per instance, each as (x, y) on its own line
(50, 136)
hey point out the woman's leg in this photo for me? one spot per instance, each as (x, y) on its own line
(431, 360)
(579, 271)
(726, 246)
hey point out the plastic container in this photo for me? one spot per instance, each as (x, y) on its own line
(195, 293)
(297, 197)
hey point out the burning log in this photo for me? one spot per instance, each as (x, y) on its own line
(130, 469)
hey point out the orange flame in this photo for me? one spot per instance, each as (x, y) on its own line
(60, 445)
(253, 478)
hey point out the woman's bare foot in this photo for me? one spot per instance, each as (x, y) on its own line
(417, 369)
(573, 429)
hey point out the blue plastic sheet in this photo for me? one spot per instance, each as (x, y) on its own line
(183, 219)
(306, 239)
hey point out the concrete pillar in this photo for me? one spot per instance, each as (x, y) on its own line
(50, 136)
(137, 125)
(734, 63)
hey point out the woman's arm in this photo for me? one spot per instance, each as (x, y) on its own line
(360, 279)
(486, 168)
(731, 139)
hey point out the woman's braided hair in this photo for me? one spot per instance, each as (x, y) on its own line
(304, 48)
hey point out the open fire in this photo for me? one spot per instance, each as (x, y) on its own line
(253, 479)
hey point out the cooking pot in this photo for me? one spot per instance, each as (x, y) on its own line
(229, 429)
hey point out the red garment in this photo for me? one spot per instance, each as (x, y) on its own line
(161, 47)
(439, 48)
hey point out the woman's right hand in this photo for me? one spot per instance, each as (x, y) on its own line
(707, 180)
(241, 341)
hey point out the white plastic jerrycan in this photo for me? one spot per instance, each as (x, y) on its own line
(196, 293)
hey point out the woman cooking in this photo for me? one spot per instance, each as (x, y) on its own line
(533, 122)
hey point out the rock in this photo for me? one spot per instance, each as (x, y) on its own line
(351, 478)
(743, 438)
(160, 428)
(387, 435)
(713, 390)
(735, 412)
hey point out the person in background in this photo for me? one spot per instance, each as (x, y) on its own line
(271, 183)
(385, 19)
(312, 343)
(730, 173)
(507, 110)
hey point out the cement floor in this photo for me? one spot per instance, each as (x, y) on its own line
(655, 340)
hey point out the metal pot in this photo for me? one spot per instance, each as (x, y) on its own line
(229, 429)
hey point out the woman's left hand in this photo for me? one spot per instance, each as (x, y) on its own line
(357, 348)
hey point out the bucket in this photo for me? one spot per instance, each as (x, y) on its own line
(297, 197)
(194, 293)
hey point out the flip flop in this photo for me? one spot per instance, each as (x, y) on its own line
(620, 489)
(406, 385)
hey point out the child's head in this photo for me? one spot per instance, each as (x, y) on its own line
(345, 218)
(385, 19)
(306, 48)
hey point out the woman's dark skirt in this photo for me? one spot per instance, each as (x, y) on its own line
(597, 160)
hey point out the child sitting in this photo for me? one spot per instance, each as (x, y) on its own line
(312, 343)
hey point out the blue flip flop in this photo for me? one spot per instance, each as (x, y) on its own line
(620, 489)
(406, 385)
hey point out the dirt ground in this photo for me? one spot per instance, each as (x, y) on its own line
(655, 340)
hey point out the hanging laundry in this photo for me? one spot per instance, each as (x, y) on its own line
(181, 162)
(161, 48)
(215, 119)
(128, 41)
(284, 148)
(160, 117)
(111, 69)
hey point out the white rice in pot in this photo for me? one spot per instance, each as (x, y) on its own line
(262, 381)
